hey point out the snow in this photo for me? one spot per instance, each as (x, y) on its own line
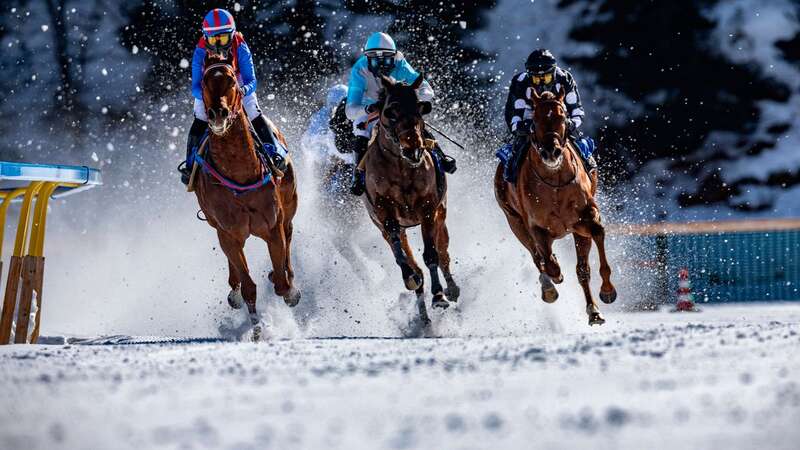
(726, 377)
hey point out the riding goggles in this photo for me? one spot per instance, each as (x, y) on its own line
(542, 78)
(220, 40)
(381, 62)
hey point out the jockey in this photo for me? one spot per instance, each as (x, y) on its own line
(220, 37)
(380, 58)
(541, 73)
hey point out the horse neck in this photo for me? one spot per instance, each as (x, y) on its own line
(234, 154)
(565, 173)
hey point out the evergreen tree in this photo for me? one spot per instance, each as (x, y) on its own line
(658, 54)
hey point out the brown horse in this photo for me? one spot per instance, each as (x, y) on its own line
(265, 211)
(402, 191)
(553, 196)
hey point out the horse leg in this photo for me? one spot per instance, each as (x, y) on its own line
(544, 246)
(583, 246)
(607, 291)
(442, 246)
(431, 258)
(393, 235)
(420, 291)
(235, 299)
(289, 228)
(549, 292)
(233, 248)
(278, 254)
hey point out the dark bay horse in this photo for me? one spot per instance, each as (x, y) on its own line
(553, 196)
(402, 191)
(265, 209)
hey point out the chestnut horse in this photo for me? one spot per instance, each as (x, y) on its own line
(265, 211)
(402, 191)
(553, 196)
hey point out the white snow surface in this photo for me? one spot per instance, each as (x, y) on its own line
(726, 377)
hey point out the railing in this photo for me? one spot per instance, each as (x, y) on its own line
(728, 261)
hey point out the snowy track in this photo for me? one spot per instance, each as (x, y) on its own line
(728, 377)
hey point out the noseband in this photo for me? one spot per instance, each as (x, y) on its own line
(392, 134)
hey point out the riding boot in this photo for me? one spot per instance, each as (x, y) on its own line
(517, 153)
(359, 149)
(448, 163)
(196, 132)
(589, 162)
(264, 132)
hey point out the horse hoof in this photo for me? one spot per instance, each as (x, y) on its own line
(235, 299)
(559, 279)
(452, 293)
(413, 282)
(608, 297)
(293, 297)
(256, 333)
(269, 277)
(440, 301)
(596, 319)
(549, 295)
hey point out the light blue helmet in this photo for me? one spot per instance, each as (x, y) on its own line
(378, 43)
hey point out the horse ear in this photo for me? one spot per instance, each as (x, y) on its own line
(418, 82)
(387, 82)
(425, 108)
(561, 93)
(535, 95)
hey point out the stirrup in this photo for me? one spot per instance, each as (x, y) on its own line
(448, 164)
(185, 172)
(277, 160)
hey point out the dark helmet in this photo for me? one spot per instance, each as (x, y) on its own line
(540, 60)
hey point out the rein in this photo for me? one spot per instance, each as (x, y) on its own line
(209, 168)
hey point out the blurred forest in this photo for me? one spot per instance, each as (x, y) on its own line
(705, 89)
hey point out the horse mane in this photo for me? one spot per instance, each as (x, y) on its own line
(547, 95)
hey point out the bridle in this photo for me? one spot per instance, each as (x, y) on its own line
(390, 132)
(236, 107)
(562, 140)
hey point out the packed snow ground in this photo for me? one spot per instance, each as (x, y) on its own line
(727, 377)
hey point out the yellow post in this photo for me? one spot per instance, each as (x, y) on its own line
(33, 278)
(15, 267)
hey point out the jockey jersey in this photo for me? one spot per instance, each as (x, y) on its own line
(519, 105)
(364, 87)
(242, 65)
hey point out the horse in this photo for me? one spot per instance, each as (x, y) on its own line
(554, 196)
(240, 197)
(403, 190)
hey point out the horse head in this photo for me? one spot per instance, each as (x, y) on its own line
(401, 117)
(221, 94)
(550, 126)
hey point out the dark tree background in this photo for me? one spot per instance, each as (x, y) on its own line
(86, 72)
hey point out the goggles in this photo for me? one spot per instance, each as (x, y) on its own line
(381, 62)
(542, 78)
(220, 40)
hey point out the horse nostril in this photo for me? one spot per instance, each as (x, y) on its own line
(211, 113)
(557, 152)
(225, 113)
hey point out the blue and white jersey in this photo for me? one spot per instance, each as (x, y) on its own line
(364, 87)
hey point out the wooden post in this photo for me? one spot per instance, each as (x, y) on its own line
(26, 296)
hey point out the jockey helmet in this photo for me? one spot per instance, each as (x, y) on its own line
(540, 61)
(218, 29)
(380, 51)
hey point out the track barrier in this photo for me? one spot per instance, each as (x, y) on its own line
(33, 185)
